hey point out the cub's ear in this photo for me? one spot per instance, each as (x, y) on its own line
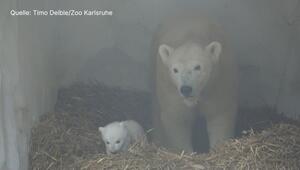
(101, 129)
(121, 124)
(165, 52)
(214, 49)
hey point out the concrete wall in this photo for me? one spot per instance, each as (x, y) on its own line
(27, 82)
(38, 54)
(115, 50)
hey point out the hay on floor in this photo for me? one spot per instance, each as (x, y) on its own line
(68, 138)
(274, 148)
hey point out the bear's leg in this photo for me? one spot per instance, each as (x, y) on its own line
(220, 127)
(178, 130)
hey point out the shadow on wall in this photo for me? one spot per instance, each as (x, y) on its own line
(111, 66)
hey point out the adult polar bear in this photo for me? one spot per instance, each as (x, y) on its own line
(194, 73)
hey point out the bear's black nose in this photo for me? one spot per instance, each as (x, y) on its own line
(186, 91)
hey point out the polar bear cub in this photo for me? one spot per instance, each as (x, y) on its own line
(118, 136)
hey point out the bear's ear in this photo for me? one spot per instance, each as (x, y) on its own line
(165, 51)
(214, 49)
(121, 124)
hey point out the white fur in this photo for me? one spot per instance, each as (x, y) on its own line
(192, 52)
(185, 59)
(118, 136)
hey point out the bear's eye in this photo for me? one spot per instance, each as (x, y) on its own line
(118, 141)
(197, 67)
(107, 142)
(175, 70)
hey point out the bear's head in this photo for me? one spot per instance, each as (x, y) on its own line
(190, 67)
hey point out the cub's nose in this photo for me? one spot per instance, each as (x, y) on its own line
(114, 152)
(186, 91)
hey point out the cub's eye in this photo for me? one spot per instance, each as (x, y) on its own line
(175, 70)
(197, 67)
(117, 141)
(107, 142)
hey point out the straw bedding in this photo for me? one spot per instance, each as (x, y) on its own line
(68, 138)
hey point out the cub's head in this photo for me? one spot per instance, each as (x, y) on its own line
(190, 67)
(114, 136)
